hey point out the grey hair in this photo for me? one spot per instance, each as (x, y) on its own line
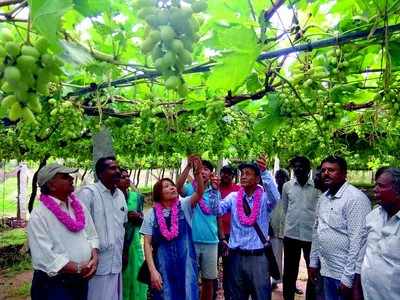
(395, 173)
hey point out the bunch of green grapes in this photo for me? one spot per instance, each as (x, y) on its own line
(25, 73)
(171, 32)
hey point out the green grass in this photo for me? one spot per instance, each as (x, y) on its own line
(8, 197)
(22, 291)
(18, 267)
(12, 237)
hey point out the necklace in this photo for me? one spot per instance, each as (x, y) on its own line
(72, 225)
(252, 218)
(173, 232)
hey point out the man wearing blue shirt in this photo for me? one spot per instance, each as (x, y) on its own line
(249, 265)
(204, 226)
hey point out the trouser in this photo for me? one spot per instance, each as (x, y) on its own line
(292, 252)
(277, 248)
(60, 287)
(249, 276)
(331, 288)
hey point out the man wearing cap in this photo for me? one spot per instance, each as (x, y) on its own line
(62, 239)
(248, 262)
(107, 206)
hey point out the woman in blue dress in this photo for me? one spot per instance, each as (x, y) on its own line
(168, 244)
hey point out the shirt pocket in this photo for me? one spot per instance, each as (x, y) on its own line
(336, 220)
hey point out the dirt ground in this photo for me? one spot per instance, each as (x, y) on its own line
(11, 288)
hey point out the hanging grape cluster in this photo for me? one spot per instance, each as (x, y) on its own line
(25, 73)
(170, 34)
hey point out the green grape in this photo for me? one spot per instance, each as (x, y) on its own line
(8, 101)
(12, 74)
(167, 33)
(3, 52)
(169, 59)
(199, 6)
(30, 51)
(6, 35)
(7, 88)
(12, 49)
(34, 103)
(172, 82)
(41, 44)
(15, 112)
(183, 90)
(27, 115)
(26, 62)
(186, 57)
(176, 45)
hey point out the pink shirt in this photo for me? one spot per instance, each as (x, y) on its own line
(226, 218)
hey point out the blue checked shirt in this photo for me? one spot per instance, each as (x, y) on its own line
(242, 236)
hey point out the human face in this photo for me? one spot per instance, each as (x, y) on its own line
(300, 171)
(385, 194)
(61, 184)
(111, 175)
(169, 191)
(226, 178)
(248, 178)
(205, 174)
(124, 181)
(332, 175)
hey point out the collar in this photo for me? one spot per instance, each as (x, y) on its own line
(309, 181)
(102, 187)
(59, 202)
(384, 213)
(340, 192)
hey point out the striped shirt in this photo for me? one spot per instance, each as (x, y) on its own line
(242, 236)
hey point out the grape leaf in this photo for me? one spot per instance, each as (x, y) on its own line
(46, 15)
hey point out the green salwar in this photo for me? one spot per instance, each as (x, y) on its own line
(132, 288)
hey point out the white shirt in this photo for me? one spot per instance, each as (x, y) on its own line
(380, 270)
(52, 245)
(299, 205)
(339, 233)
(109, 213)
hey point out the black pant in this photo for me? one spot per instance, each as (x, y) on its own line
(59, 287)
(292, 252)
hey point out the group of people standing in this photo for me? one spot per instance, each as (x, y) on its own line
(88, 245)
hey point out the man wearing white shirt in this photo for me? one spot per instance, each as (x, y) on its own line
(380, 270)
(299, 201)
(62, 239)
(338, 234)
(107, 206)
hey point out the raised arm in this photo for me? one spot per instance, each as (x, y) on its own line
(268, 183)
(197, 167)
(182, 178)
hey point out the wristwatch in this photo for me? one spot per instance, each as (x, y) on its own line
(78, 268)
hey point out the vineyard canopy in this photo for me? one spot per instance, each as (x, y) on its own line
(221, 78)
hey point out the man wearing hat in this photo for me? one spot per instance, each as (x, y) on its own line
(248, 262)
(62, 239)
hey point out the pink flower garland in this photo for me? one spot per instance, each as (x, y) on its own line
(173, 232)
(252, 218)
(72, 225)
(203, 206)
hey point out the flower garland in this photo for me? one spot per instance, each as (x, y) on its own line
(202, 203)
(72, 225)
(252, 218)
(174, 231)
